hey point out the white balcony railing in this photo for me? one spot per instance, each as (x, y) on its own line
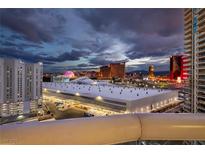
(107, 130)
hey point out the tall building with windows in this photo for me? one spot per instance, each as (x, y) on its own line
(33, 85)
(117, 70)
(194, 43)
(113, 70)
(20, 87)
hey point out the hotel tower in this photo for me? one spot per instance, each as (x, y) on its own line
(194, 63)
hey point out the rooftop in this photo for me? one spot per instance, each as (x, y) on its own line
(104, 90)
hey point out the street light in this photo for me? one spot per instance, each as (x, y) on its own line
(77, 94)
(58, 91)
(179, 80)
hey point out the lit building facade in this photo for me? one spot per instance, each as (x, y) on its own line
(194, 35)
(177, 67)
(20, 87)
(117, 70)
(151, 71)
(113, 70)
(104, 72)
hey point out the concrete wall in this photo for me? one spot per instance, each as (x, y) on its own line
(151, 102)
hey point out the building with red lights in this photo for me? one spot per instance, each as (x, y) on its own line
(177, 67)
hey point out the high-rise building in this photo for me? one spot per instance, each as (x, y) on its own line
(117, 70)
(113, 70)
(104, 72)
(33, 85)
(151, 71)
(177, 67)
(20, 87)
(194, 43)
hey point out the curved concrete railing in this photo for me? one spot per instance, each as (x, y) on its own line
(107, 130)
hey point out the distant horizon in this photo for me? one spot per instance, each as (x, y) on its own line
(64, 70)
(98, 70)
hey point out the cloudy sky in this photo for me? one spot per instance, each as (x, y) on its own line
(81, 39)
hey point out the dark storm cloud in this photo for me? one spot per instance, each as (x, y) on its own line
(7, 43)
(85, 65)
(28, 56)
(154, 53)
(151, 47)
(153, 31)
(164, 22)
(79, 44)
(18, 20)
(20, 45)
(16, 37)
(100, 36)
(73, 55)
(101, 59)
(15, 53)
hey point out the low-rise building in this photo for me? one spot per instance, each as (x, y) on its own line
(128, 99)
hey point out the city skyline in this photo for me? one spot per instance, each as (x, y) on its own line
(128, 100)
(83, 39)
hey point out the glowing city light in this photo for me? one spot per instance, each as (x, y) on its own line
(99, 98)
(179, 79)
(69, 74)
(58, 91)
(40, 63)
(77, 94)
(94, 83)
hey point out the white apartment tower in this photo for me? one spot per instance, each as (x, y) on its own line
(194, 43)
(33, 85)
(20, 90)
